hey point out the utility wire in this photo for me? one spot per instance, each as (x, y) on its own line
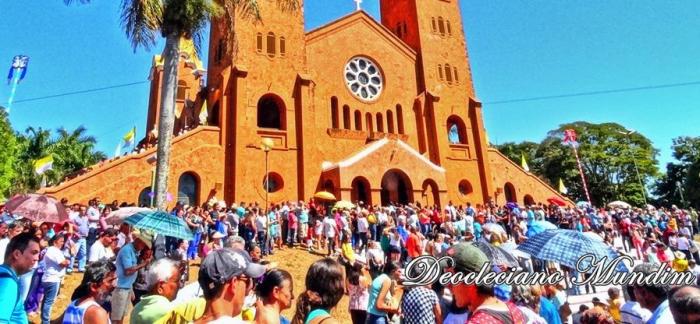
(82, 91)
(593, 93)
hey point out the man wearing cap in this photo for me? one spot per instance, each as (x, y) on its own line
(127, 270)
(226, 276)
(479, 299)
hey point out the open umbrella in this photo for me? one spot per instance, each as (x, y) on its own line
(582, 204)
(325, 195)
(619, 204)
(594, 236)
(493, 228)
(556, 201)
(497, 255)
(38, 208)
(537, 227)
(511, 205)
(567, 247)
(343, 204)
(512, 248)
(162, 223)
(118, 216)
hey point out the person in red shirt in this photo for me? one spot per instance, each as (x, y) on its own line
(413, 246)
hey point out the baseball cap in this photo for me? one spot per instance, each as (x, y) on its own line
(223, 264)
(467, 257)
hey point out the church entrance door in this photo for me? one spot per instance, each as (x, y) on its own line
(396, 187)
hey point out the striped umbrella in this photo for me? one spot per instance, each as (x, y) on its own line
(161, 223)
(38, 208)
(567, 247)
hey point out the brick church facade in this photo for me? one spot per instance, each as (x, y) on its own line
(372, 111)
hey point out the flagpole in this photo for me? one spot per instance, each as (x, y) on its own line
(580, 170)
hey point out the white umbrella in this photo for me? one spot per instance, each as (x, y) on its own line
(619, 204)
(494, 228)
(118, 216)
(513, 249)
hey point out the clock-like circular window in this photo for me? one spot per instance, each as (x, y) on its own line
(363, 78)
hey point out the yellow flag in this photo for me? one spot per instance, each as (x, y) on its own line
(44, 164)
(524, 163)
(204, 114)
(562, 189)
(129, 137)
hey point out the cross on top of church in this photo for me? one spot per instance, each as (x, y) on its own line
(358, 2)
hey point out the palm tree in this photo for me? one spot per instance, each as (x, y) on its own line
(175, 19)
(75, 150)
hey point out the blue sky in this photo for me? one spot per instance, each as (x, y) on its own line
(518, 49)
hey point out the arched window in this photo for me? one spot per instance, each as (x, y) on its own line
(283, 46)
(271, 48)
(465, 188)
(448, 73)
(456, 130)
(399, 119)
(368, 120)
(335, 121)
(346, 117)
(358, 120)
(390, 121)
(449, 29)
(380, 123)
(454, 69)
(434, 25)
(271, 112)
(259, 43)
(182, 90)
(441, 26)
(440, 77)
(187, 189)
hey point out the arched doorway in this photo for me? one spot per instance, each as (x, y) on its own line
(396, 187)
(145, 197)
(361, 191)
(528, 200)
(431, 194)
(187, 188)
(509, 190)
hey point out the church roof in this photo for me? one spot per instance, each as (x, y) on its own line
(371, 148)
(360, 17)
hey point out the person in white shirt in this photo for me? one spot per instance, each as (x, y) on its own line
(329, 226)
(102, 248)
(695, 269)
(55, 264)
(362, 228)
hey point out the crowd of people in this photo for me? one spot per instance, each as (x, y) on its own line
(144, 276)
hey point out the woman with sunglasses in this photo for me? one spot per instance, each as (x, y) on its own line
(275, 291)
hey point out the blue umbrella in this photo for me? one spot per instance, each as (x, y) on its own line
(162, 223)
(537, 227)
(511, 205)
(567, 247)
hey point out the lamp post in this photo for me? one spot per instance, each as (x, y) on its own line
(634, 161)
(266, 145)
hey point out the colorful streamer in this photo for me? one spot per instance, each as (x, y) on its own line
(570, 138)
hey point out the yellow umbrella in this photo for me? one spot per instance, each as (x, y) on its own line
(343, 204)
(324, 195)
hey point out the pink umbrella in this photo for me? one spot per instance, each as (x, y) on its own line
(118, 216)
(38, 208)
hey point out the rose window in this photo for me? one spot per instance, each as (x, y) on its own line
(363, 78)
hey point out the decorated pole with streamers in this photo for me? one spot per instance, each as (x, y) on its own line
(18, 70)
(570, 138)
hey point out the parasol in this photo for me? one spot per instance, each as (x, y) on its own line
(38, 208)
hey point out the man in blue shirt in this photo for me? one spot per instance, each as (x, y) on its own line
(20, 257)
(127, 270)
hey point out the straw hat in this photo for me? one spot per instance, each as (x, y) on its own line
(144, 236)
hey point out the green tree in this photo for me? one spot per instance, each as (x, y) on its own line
(8, 154)
(175, 19)
(681, 183)
(608, 153)
(34, 144)
(515, 151)
(75, 150)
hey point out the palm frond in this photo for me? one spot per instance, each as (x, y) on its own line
(141, 19)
